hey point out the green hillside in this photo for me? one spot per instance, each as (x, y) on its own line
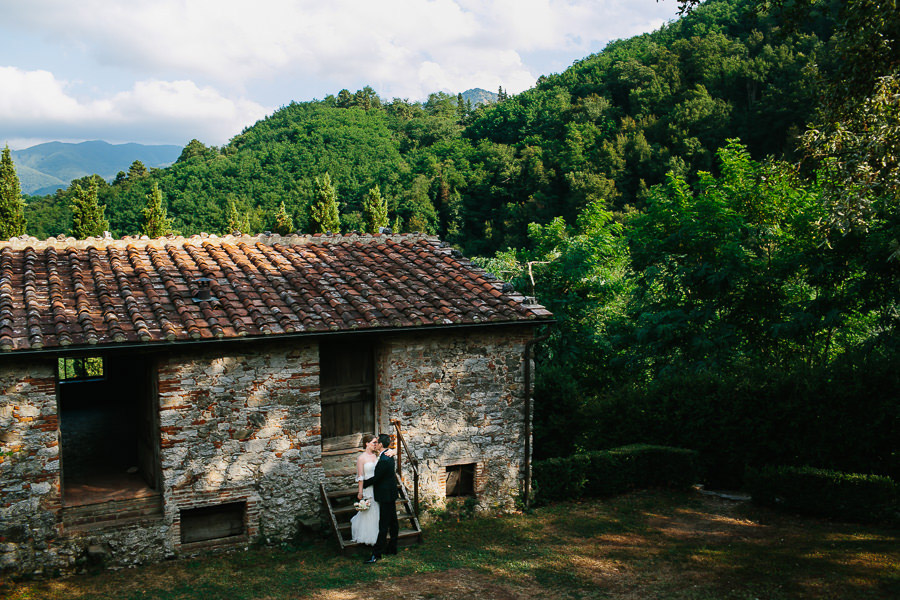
(36, 182)
(609, 127)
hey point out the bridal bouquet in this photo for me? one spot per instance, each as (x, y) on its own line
(362, 505)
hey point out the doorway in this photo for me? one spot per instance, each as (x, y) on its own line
(347, 392)
(109, 436)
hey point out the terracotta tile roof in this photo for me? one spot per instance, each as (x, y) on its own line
(70, 293)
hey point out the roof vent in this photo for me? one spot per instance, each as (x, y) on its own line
(204, 294)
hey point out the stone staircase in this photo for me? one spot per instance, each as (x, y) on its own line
(339, 506)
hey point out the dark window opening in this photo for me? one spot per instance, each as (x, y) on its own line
(79, 369)
(213, 522)
(460, 480)
(109, 435)
(347, 388)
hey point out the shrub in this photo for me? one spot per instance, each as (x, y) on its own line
(609, 472)
(844, 417)
(849, 496)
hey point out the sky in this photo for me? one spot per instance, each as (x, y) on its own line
(168, 71)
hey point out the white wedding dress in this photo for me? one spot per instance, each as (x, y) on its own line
(364, 525)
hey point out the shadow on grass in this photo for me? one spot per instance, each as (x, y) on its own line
(649, 544)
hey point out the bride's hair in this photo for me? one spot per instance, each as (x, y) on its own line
(366, 439)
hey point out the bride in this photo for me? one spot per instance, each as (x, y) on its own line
(364, 525)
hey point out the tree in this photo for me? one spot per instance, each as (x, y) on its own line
(237, 222)
(344, 99)
(156, 224)
(88, 219)
(195, 148)
(284, 224)
(375, 210)
(12, 217)
(137, 170)
(460, 107)
(324, 214)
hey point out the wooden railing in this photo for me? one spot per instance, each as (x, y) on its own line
(403, 448)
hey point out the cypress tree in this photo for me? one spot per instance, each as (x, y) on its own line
(88, 219)
(375, 210)
(324, 215)
(236, 222)
(156, 224)
(284, 224)
(12, 209)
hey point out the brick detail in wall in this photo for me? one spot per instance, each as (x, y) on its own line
(480, 474)
(189, 500)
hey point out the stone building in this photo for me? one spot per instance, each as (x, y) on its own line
(165, 396)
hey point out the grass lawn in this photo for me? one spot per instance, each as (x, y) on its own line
(655, 544)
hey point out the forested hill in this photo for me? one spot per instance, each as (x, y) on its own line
(608, 127)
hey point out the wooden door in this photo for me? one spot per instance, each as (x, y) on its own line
(347, 388)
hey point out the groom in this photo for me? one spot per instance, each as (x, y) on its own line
(384, 482)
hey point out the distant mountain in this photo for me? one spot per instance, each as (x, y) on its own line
(479, 96)
(44, 168)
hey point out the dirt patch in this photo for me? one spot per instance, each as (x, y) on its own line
(447, 585)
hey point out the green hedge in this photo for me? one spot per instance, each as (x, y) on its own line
(850, 496)
(843, 417)
(609, 472)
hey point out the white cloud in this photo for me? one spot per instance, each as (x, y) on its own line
(173, 69)
(391, 42)
(35, 103)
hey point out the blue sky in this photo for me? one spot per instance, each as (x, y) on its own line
(167, 71)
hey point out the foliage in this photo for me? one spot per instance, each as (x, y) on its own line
(615, 471)
(852, 496)
(841, 416)
(156, 224)
(856, 151)
(375, 211)
(88, 218)
(284, 224)
(324, 215)
(238, 222)
(609, 127)
(12, 217)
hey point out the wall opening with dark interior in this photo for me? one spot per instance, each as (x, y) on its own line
(210, 523)
(108, 427)
(460, 480)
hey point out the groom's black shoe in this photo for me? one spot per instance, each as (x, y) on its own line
(371, 559)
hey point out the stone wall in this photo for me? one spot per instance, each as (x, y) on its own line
(29, 465)
(459, 398)
(242, 424)
(242, 427)
(235, 427)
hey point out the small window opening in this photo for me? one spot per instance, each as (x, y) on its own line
(213, 522)
(461, 480)
(80, 369)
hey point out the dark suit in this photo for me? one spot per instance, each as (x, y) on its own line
(384, 484)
